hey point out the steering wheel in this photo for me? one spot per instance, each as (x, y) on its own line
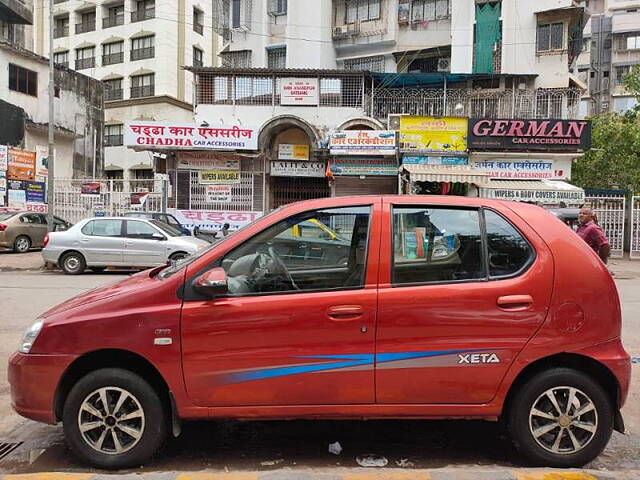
(280, 267)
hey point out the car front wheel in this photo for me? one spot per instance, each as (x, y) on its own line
(114, 419)
(561, 418)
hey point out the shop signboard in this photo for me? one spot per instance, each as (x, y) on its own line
(90, 189)
(3, 183)
(4, 158)
(364, 167)
(175, 136)
(408, 160)
(297, 169)
(138, 199)
(35, 192)
(287, 151)
(556, 169)
(299, 91)
(214, 219)
(545, 197)
(21, 164)
(443, 135)
(523, 135)
(218, 193)
(42, 161)
(206, 161)
(363, 142)
(219, 177)
(18, 199)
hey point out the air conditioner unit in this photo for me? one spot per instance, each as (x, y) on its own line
(444, 64)
(340, 31)
(394, 122)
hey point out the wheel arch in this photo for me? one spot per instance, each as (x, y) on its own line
(110, 358)
(581, 363)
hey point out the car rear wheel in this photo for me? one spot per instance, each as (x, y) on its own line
(178, 256)
(561, 418)
(22, 244)
(73, 263)
(114, 419)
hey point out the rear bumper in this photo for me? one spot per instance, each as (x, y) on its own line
(613, 356)
(51, 255)
(34, 380)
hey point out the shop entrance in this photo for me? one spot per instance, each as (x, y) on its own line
(285, 190)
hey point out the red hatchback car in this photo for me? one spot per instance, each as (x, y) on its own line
(446, 308)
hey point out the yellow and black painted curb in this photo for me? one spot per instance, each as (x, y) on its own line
(354, 474)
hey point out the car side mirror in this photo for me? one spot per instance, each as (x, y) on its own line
(158, 236)
(212, 283)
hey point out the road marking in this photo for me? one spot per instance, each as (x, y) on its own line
(413, 475)
(553, 476)
(50, 476)
(218, 476)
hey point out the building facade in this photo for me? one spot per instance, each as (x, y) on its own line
(611, 47)
(138, 49)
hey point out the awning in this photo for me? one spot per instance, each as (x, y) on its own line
(112, 168)
(546, 192)
(446, 173)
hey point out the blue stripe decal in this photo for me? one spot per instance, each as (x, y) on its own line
(347, 361)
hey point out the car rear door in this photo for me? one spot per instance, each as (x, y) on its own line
(102, 241)
(34, 227)
(462, 290)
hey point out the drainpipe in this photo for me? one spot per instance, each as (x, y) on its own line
(444, 97)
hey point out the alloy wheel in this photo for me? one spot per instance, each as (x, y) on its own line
(111, 420)
(563, 420)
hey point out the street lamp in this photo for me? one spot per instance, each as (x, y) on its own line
(50, 159)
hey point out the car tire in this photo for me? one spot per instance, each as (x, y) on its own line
(22, 244)
(73, 263)
(97, 269)
(175, 257)
(568, 434)
(138, 437)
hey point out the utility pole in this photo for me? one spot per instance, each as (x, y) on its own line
(52, 91)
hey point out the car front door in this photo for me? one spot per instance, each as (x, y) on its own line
(463, 291)
(101, 242)
(286, 336)
(145, 245)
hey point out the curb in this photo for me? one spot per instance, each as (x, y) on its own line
(352, 474)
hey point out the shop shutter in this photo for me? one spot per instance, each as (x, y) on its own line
(346, 186)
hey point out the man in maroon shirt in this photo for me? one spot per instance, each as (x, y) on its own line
(591, 233)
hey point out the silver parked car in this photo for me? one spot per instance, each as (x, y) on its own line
(117, 242)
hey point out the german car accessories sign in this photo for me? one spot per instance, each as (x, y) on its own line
(566, 135)
(158, 136)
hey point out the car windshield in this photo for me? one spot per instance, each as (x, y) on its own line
(6, 216)
(168, 229)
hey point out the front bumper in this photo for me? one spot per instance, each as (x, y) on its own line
(34, 379)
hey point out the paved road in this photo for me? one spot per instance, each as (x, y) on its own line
(265, 446)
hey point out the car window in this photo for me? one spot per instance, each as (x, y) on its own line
(31, 218)
(141, 230)
(436, 245)
(276, 260)
(168, 229)
(103, 228)
(171, 220)
(509, 252)
(6, 216)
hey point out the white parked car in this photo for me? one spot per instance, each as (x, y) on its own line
(117, 242)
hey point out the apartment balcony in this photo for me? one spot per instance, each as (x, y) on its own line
(146, 91)
(85, 27)
(60, 32)
(112, 94)
(85, 63)
(112, 58)
(62, 64)
(16, 11)
(141, 15)
(113, 21)
(142, 53)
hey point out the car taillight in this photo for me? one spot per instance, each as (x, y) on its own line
(3, 227)
(46, 240)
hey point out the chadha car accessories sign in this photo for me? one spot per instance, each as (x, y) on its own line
(363, 142)
(565, 135)
(156, 135)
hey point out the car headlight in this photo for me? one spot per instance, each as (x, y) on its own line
(30, 336)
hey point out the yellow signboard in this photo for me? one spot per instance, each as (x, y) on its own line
(219, 177)
(288, 151)
(433, 135)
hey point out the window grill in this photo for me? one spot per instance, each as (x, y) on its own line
(277, 58)
(371, 64)
(238, 59)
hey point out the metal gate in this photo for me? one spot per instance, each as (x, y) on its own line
(635, 227)
(107, 198)
(610, 213)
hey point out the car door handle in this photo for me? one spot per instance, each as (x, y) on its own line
(514, 303)
(345, 312)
